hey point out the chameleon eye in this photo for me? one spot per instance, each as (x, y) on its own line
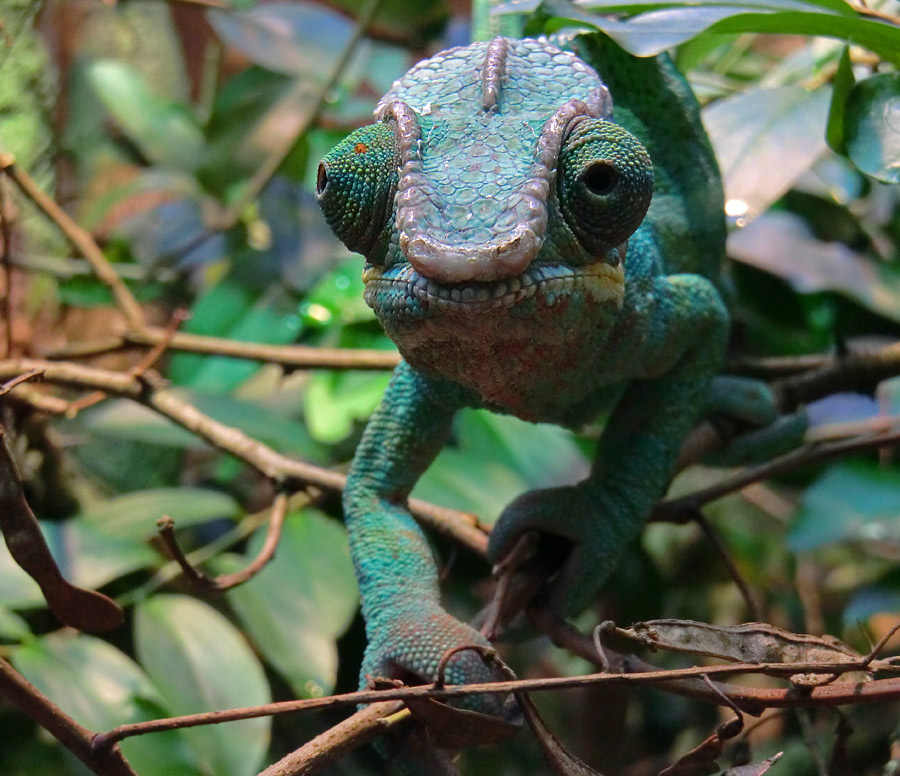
(355, 186)
(604, 184)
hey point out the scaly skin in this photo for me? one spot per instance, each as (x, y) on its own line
(512, 257)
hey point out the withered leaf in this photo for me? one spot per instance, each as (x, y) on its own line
(754, 769)
(83, 609)
(752, 642)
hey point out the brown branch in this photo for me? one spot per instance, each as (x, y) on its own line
(681, 510)
(63, 728)
(335, 742)
(23, 378)
(289, 356)
(854, 371)
(746, 698)
(5, 253)
(151, 391)
(226, 581)
(79, 237)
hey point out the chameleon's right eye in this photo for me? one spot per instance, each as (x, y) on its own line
(604, 183)
(355, 186)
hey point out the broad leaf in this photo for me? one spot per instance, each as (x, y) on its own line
(765, 139)
(289, 38)
(497, 457)
(301, 602)
(200, 662)
(101, 688)
(849, 502)
(134, 515)
(163, 131)
(781, 243)
(872, 126)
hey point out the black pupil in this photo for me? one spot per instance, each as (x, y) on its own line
(600, 178)
(321, 179)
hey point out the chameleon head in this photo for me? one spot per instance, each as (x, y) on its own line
(495, 193)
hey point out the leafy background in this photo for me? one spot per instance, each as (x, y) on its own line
(152, 121)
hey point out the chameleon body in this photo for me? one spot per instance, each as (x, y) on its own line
(516, 258)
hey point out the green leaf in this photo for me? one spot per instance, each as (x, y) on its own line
(301, 602)
(336, 402)
(840, 89)
(671, 24)
(90, 558)
(12, 627)
(17, 589)
(497, 457)
(134, 515)
(292, 39)
(849, 502)
(124, 419)
(781, 243)
(872, 126)
(101, 688)
(765, 140)
(163, 131)
(200, 662)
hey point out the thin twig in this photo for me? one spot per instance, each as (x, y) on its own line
(873, 653)
(23, 378)
(681, 510)
(734, 573)
(226, 581)
(80, 238)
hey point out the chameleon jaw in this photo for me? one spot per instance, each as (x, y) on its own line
(401, 289)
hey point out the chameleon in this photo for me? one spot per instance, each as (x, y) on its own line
(537, 247)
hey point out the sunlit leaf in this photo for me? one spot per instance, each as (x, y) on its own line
(781, 243)
(163, 131)
(294, 39)
(872, 129)
(12, 627)
(200, 662)
(764, 140)
(336, 402)
(849, 502)
(100, 687)
(301, 602)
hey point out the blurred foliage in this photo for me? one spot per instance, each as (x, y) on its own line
(160, 115)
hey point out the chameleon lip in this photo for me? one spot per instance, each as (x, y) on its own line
(602, 282)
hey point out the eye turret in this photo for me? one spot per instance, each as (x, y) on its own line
(604, 183)
(355, 186)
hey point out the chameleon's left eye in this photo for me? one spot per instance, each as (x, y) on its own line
(355, 187)
(604, 183)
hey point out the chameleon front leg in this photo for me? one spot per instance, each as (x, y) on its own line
(408, 630)
(680, 351)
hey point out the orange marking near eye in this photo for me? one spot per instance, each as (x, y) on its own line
(360, 148)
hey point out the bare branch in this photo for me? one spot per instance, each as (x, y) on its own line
(226, 581)
(80, 238)
(66, 730)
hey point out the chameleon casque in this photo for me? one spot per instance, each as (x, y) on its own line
(526, 255)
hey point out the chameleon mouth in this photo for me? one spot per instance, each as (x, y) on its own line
(401, 289)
